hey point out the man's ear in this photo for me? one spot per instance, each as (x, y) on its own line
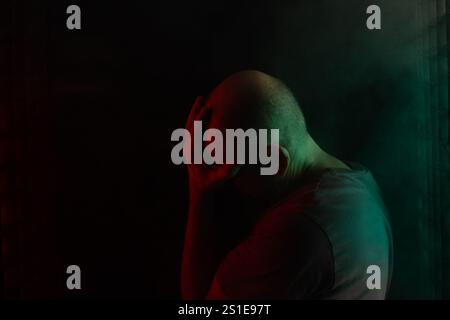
(283, 162)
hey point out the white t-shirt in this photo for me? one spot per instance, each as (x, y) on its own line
(329, 239)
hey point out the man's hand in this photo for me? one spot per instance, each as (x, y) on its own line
(205, 178)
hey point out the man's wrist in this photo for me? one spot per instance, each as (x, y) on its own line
(199, 194)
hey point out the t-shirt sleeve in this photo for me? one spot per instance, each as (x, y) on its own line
(286, 256)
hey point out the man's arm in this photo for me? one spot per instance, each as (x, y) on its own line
(287, 256)
(202, 248)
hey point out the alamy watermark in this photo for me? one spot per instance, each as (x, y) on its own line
(260, 151)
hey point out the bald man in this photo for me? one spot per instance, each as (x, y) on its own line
(317, 229)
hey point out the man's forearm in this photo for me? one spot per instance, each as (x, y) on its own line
(200, 254)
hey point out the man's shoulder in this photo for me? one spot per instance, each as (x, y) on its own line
(333, 187)
(337, 202)
(348, 193)
(336, 197)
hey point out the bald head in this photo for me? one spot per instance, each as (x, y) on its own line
(253, 99)
(243, 108)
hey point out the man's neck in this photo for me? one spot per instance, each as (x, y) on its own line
(315, 159)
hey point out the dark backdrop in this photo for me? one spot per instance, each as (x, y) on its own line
(86, 119)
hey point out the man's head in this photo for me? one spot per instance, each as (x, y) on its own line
(252, 99)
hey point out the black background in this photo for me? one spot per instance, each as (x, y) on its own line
(90, 113)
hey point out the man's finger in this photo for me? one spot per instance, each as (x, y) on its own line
(194, 111)
(201, 114)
